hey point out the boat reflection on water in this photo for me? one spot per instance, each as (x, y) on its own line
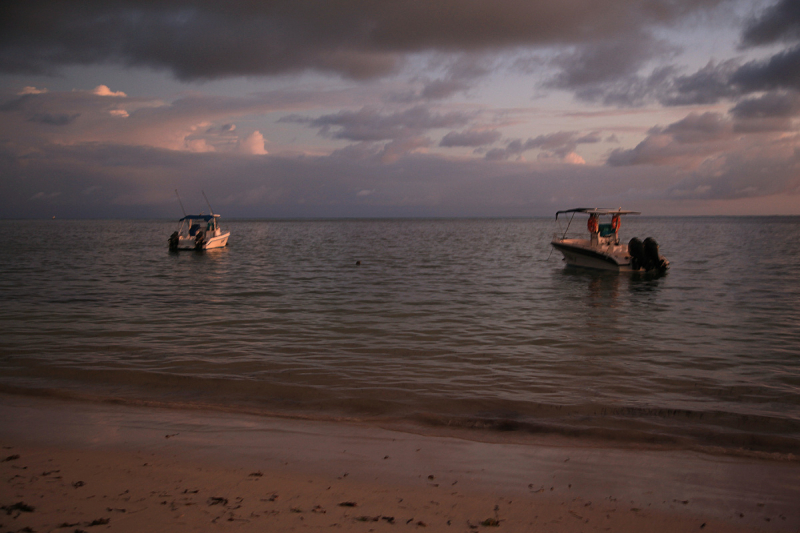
(606, 304)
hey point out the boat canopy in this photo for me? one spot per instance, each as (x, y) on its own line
(598, 211)
(206, 218)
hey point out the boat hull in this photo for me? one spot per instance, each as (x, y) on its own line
(189, 243)
(582, 254)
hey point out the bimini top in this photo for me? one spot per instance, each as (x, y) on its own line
(198, 217)
(598, 211)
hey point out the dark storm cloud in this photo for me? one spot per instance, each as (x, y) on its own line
(596, 63)
(770, 105)
(355, 38)
(608, 71)
(369, 124)
(781, 71)
(665, 85)
(780, 22)
(708, 85)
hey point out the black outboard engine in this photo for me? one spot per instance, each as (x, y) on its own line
(173, 241)
(652, 257)
(636, 251)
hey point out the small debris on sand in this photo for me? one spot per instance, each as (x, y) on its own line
(19, 506)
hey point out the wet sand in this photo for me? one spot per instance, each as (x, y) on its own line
(68, 466)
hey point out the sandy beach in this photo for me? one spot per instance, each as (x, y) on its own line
(70, 466)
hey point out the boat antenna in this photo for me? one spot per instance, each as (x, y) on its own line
(179, 201)
(211, 211)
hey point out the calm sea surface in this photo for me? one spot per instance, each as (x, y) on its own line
(459, 323)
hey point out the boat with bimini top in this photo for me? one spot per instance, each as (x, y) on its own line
(602, 250)
(198, 232)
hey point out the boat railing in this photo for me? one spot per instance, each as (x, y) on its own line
(558, 235)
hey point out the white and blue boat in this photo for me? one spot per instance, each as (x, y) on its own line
(198, 232)
(602, 250)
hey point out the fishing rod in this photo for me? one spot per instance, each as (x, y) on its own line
(210, 211)
(563, 236)
(179, 201)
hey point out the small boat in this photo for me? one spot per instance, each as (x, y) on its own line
(602, 249)
(198, 232)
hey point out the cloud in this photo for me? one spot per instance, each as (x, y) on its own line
(594, 64)
(770, 167)
(193, 122)
(610, 71)
(746, 155)
(769, 112)
(252, 144)
(698, 128)
(781, 71)
(370, 124)
(769, 105)
(561, 145)
(103, 90)
(470, 138)
(31, 90)
(686, 143)
(137, 182)
(45, 196)
(708, 85)
(461, 72)
(53, 119)
(207, 40)
(779, 22)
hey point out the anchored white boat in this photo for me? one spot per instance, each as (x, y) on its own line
(198, 232)
(602, 249)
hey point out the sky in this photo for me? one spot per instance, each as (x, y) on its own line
(401, 108)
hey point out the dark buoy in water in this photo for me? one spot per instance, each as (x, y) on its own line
(358, 263)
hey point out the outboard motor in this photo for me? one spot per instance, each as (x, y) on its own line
(636, 251)
(173, 241)
(652, 257)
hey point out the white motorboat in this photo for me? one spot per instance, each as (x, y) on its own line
(602, 249)
(198, 232)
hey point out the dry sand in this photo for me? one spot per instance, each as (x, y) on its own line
(86, 467)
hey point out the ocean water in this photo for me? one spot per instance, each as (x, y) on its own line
(471, 324)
